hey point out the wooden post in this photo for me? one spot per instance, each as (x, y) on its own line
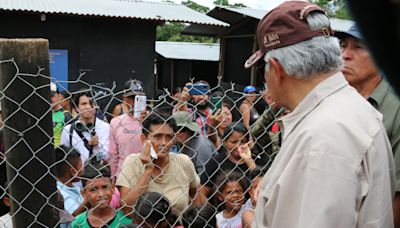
(221, 69)
(253, 77)
(28, 132)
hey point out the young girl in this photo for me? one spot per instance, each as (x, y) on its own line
(231, 195)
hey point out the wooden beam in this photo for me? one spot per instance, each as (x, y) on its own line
(28, 132)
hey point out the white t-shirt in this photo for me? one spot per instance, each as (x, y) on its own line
(6, 221)
(102, 130)
(234, 222)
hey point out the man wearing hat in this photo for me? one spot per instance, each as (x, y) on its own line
(190, 142)
(335, 167)
(125, 130)
(362, 73)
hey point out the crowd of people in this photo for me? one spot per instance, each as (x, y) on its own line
(323, 151)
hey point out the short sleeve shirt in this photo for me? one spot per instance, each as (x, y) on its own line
(174, 185)
(120, 218)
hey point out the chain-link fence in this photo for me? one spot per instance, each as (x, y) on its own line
(191, 158)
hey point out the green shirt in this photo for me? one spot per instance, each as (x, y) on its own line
(120, 219)
(385, 101)
(58, 124)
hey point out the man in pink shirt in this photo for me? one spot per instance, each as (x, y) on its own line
(125, 130)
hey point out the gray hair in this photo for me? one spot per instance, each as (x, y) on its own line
(311, 57)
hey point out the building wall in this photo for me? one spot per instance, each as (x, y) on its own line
(184, 70)
(107, 49)
(239, 45)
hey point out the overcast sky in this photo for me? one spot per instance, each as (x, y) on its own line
(256, 4)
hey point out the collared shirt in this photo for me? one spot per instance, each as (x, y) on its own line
(125, 131)
(335, 167)
(101, 150)
(72, 196)
(385, 100)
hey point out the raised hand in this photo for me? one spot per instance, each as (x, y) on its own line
(245, 152)
(146, 159)
(216, 118)
(94, 140)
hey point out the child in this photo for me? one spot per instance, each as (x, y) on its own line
(98, 190)
(231, 194)
(153, 210)
(69, 168)
(199, 216)
(248, 212)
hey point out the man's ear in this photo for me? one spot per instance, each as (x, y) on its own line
(277, 68)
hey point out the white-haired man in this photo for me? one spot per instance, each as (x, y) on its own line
(335, 167)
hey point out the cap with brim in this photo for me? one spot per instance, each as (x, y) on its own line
(133, 87)
(353, 32)
(184, 119)
(285, 25)
(249, 89)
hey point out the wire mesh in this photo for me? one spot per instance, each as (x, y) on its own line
(209, 149)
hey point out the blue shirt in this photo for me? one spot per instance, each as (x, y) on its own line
(72, 196)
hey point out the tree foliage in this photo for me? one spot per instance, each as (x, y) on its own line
(193, 5)
(172, 31)
(226, 3)
(334, 8)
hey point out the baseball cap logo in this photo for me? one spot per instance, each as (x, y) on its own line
(271, 39)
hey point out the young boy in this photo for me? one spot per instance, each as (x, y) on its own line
(98, 190)
(69, 168)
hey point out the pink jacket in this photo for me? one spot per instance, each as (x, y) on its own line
(125, 131)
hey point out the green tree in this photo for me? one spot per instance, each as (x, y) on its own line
(195, 6)
(226, 3)
(239, 4)
(172, 31)
(221, 2)
(334, 8)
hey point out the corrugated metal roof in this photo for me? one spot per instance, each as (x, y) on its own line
(188, 51)
(113, 8)
(340, 24)
(231, 15)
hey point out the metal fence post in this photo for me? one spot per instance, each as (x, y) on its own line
(28, 132)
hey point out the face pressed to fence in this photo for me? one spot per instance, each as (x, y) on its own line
(98, 192)
(359, 67)
(233, 142)
(233, 196)
(85, 107)
(162, 138)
